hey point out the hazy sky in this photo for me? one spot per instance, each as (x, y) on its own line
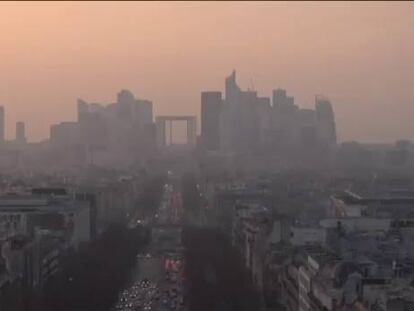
(360, 55)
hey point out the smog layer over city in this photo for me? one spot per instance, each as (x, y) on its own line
(206, 156)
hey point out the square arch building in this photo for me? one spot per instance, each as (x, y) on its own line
(162, 122)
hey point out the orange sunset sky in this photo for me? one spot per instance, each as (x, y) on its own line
(360, 55)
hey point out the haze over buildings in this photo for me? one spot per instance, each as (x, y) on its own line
(357, 54)
(244, 122)
(202, 156)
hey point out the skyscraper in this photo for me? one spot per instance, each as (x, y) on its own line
(243, 122)
(240, 118)
(83, 110)
(232, 89)
(143, 112)
(125, 101)
(211, 103)
(264, 115)
(283, 103)
(20, 133)
(326, 120)
(2, 125)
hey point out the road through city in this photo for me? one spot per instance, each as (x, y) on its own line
(157, 280)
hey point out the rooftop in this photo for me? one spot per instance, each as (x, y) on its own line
(37, 203)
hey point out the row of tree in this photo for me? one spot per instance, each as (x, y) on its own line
(216, 276)
(91, 277)
(217, 279)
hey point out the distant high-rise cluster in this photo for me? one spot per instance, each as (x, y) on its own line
(124, 133)
(242, 121)
(20, 137)
(109, 134)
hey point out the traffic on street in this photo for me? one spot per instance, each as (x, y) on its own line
(158, 282)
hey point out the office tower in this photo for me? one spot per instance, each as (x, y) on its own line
(2, 125)
(65, 133)
(285, 125)
(306, 122)
(282, 102)
(83, 110)
(279, 97)
(125, 103)
(149, 141)
(264, 115)
(240, 117)
(326, 120)
(125, 97)
(211, 104)
(143, 112)
(232, 89)
(20, 132)
(247, 128)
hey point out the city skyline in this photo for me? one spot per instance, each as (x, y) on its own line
(206, 156)
(358, 55)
